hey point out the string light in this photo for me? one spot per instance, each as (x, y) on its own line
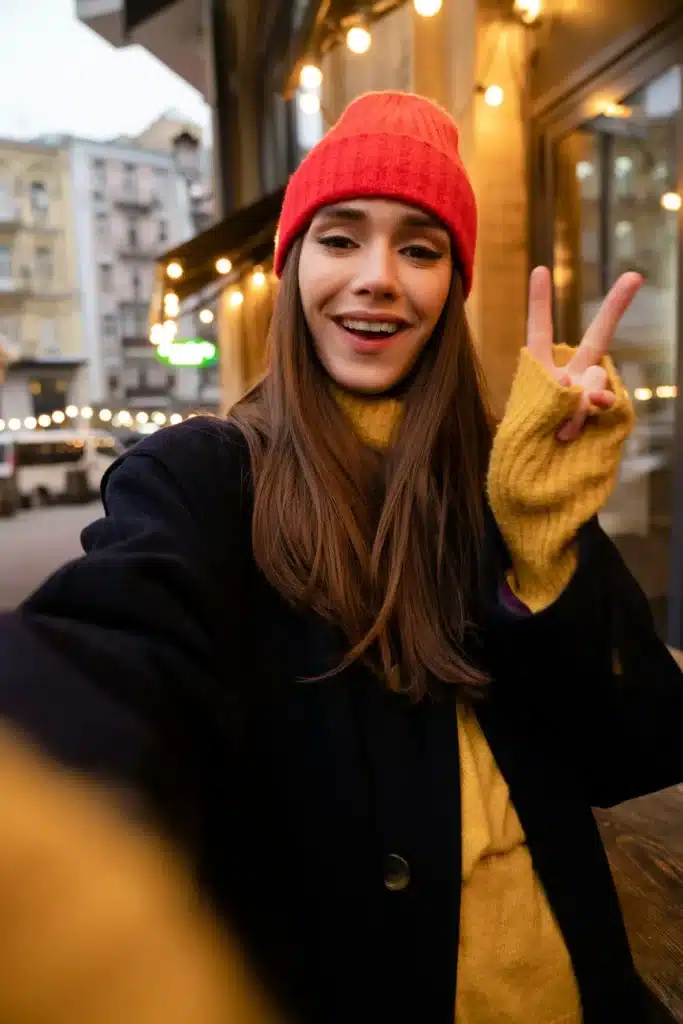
(105, 415)
(44, 420)
(157, 334)
(86, 412)
(427, 8)
(309, 103)
(358, 39)
(30, 423)
(671, 201)
(236, 299)
(494, 95)
(71, 411)
(142, 417)
(170, 330)
(58, 416)
(529, 11)
(206, 316)
(258, 278)
(617, 110)
(310, 77)
(175, 418)
(223, 265)
(171, 304)
(159, 418)
(174, 271)
(14, 424)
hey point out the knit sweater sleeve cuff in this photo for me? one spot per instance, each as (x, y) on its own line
(542, 490)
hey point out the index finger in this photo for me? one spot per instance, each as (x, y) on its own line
(599, 335)
(539, 336)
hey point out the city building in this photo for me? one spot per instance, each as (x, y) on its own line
(183, 140)
(40, 324)
(131, 203)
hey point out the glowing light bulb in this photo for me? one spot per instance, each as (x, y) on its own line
(427, 8)
(494, 95)
(44, 420)
(309, 103)
(58, 417)
(171, 304)
(105, 415)
(30, 423)
(671, 201)
(310, 77)
(86, 412)
(71, 411)
(206, 316)
(236, 299)
(358, 39)
(223, 265)
(174, 271)
(258, 278)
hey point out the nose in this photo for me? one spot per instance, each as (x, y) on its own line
(377, 273)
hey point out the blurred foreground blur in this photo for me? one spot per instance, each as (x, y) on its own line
(99, 921)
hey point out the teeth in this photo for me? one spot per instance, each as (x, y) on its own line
(371, 326)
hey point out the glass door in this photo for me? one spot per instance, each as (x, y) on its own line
(617, 206)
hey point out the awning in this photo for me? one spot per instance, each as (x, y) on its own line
(137, 11)
(246, 237)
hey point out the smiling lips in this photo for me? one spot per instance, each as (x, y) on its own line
(371, 331)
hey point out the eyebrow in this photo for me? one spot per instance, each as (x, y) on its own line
(416, 219)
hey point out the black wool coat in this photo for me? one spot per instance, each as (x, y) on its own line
(163, 660)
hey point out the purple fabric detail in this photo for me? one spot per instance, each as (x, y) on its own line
(510, 602)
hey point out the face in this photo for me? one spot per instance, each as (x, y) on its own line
(374, 276)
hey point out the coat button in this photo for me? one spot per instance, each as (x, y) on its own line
(396, 873)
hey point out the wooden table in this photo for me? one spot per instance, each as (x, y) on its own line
(644, 843)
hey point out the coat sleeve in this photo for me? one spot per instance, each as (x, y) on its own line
(597, 677)
(115, 665)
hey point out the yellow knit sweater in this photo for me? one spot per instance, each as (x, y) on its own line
(513, 965)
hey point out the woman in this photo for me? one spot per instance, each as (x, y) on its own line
(374, 711)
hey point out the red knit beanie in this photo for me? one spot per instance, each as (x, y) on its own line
(388, 145)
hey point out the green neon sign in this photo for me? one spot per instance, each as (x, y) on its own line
(187, 352)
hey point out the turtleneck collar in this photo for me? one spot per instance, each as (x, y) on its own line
(375, 418)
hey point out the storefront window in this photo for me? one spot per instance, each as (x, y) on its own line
(617, 210)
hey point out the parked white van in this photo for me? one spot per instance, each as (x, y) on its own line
(55, 465)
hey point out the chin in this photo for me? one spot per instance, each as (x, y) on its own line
(365, 384)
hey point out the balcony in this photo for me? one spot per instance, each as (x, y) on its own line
(137, 249)
(131, 198)
(27, 284)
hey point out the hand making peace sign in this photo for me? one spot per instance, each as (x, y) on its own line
(584, 368)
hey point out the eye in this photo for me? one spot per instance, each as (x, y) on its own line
(422, 252)
(337, 242)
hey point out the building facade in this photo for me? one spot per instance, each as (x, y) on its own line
(130, 204)
(40, 322)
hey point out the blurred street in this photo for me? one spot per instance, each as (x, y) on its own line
(35, 543)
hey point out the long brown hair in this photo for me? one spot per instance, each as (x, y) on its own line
(385, 547)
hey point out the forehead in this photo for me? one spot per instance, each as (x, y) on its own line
(379, 212)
